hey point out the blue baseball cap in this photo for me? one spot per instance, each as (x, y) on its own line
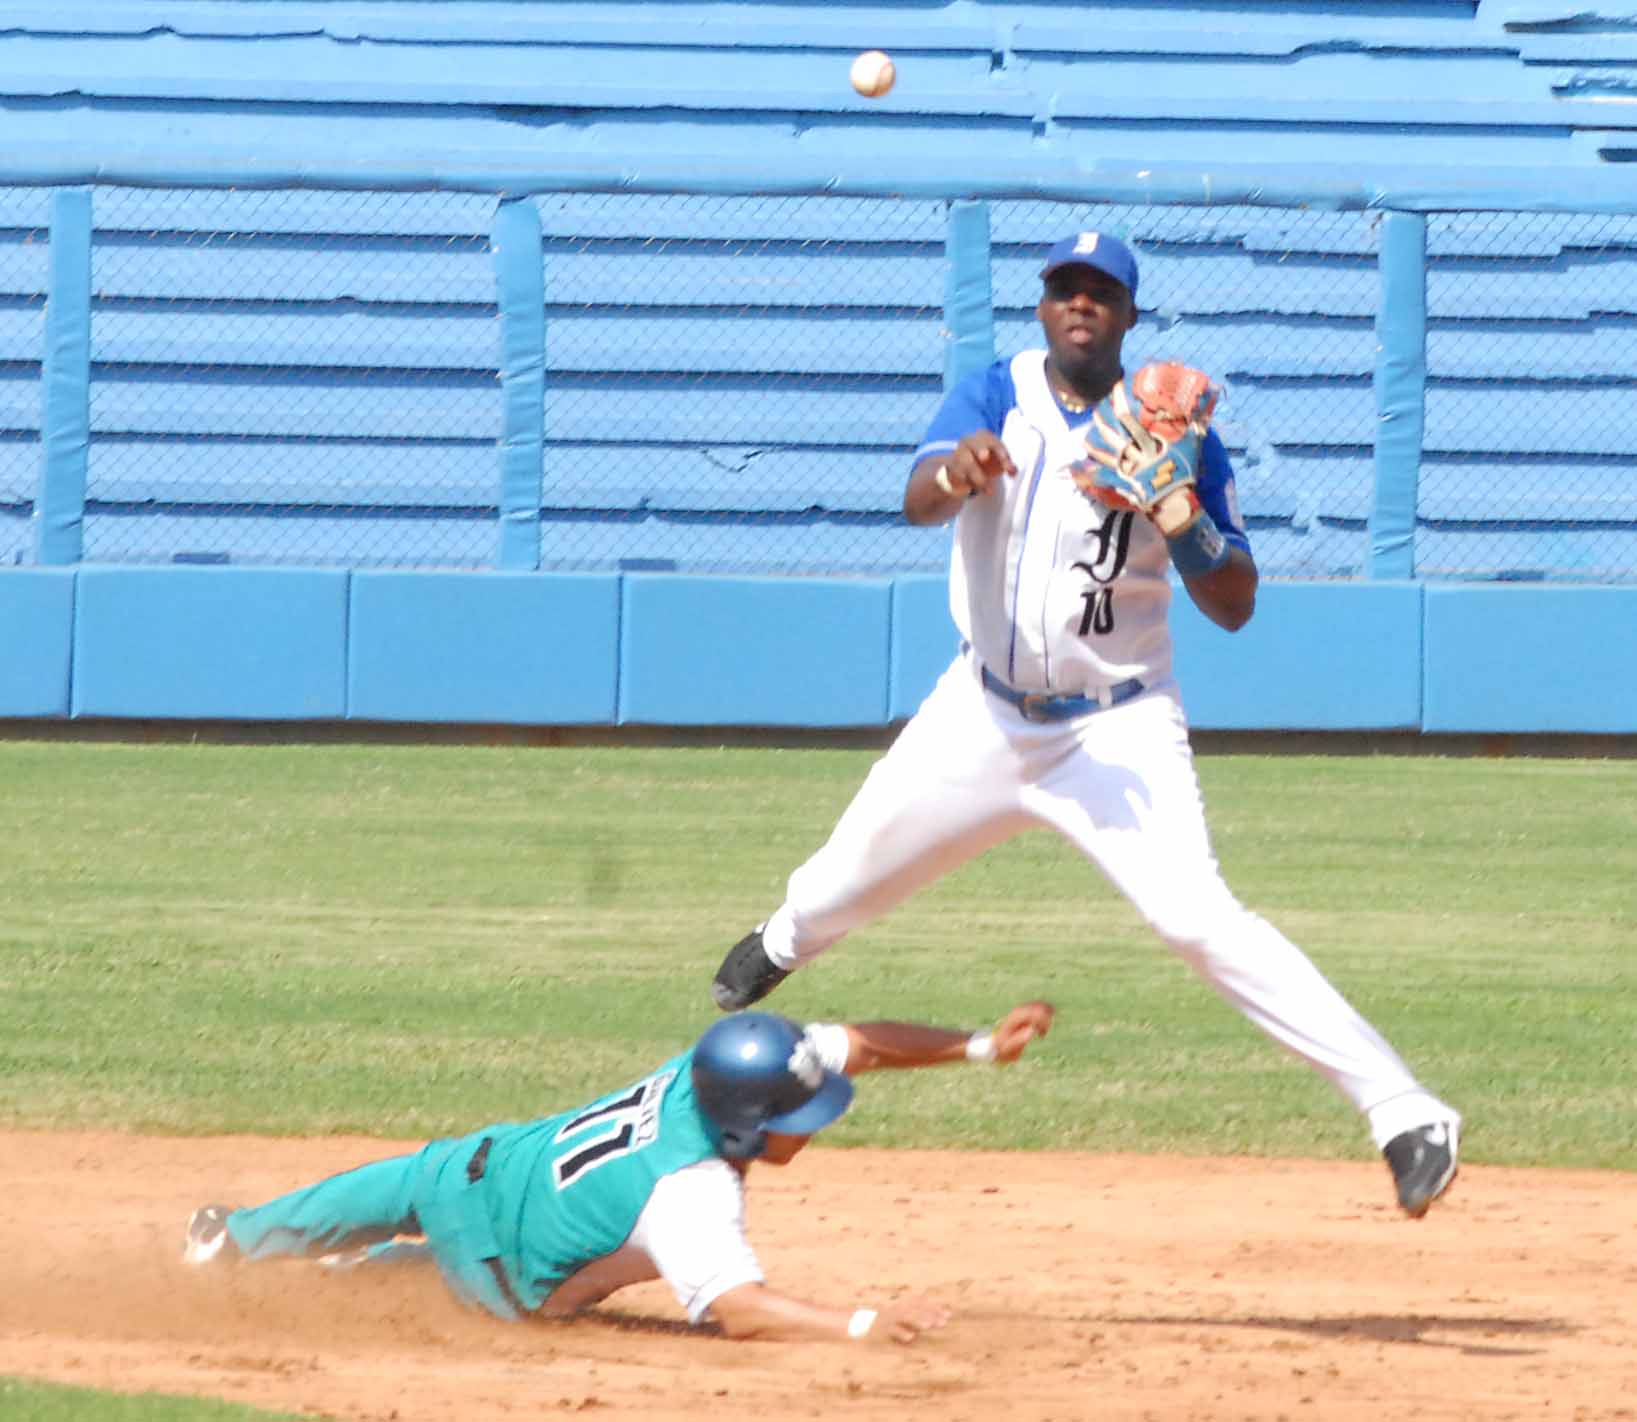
(1095, 249)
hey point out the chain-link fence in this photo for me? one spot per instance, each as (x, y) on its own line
(297, 377)
(735, 384)
(1528, 469)
(25, 278)
(1279, 306)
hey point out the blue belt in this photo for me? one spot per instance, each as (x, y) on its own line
(1043, 706)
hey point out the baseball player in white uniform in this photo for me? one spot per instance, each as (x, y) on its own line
(1060, 708)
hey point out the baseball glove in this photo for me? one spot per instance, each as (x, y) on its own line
(1143, 446)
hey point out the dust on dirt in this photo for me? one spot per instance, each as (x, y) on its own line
(1114, 1287)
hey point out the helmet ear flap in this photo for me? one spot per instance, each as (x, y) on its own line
(743, 1143)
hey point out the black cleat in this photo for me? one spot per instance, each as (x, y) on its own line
(1423, 1165)
(747, 974)
(207, 1240)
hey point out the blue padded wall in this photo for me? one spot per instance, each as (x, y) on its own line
(37, 613)
(754, 651)
(1316, 656)
(209, 643)
(1554, 659)
(520, 648)
(924, 641)
(532, 649)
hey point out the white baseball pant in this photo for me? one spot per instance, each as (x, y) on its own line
(968, 771)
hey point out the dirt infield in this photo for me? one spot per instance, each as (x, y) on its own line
(1084, 1286)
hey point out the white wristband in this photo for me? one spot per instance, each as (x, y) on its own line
(862, 1321)
(980, 1047)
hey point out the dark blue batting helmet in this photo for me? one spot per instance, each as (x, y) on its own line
(756, 1072)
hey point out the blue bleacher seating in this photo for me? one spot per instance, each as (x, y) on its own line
(284, 370)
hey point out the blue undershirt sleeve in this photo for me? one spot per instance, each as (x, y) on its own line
(978, 401)
(1217, 495)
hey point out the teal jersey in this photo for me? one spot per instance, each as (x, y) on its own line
(568, 1189)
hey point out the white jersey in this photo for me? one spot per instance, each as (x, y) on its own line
(691, 1233)
(1058, 595)
(1053, 591)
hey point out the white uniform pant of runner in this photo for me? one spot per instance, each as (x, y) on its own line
(968, 771)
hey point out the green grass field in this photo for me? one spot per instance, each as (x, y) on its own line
(409, 941)
(412, 940)
(33, 1402)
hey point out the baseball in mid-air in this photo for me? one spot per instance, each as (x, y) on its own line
(873, 73)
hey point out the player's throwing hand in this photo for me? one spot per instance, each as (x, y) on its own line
(974, 466)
